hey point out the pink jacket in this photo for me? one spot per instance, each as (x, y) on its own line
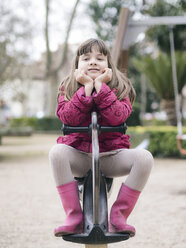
(111, 112)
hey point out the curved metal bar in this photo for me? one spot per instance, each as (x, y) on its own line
(95, 168)
(175, 81)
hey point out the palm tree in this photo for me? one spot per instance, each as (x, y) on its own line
(158, 72)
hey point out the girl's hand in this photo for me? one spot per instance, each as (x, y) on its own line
(105, 77)
(85, 80)
(82, 78)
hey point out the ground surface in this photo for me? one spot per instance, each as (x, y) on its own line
(30, 208)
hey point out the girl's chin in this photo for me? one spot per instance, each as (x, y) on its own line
(94, 76)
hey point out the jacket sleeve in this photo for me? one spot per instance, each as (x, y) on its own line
(113, 111)
(75, 111)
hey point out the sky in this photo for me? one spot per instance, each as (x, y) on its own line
(60, 13)
(82, 29)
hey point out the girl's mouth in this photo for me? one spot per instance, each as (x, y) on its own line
(93, 69)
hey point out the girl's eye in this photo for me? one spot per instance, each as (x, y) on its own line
(100, 59)
(86, 58)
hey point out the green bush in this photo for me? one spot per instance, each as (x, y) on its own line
(38, 124)
(24, 122)
(162, 139)
(49, 124)
(134, 118)
(163, 144)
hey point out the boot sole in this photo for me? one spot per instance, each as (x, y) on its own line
(79, 228)
(113, 229)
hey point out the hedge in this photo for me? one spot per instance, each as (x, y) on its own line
(162, 140)
(54, 124)
(38, 124)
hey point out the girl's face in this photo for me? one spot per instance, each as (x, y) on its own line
(93, 63)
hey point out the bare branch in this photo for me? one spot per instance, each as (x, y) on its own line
(69, 27)
(48, 51)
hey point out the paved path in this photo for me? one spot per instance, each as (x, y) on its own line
(30, 208)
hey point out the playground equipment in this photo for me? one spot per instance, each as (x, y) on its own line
(96, 186)
(127, 34)
(180, 136)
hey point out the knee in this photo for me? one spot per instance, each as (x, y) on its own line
(53, 152)
(145, 160)
(149, 159)
(57, 154)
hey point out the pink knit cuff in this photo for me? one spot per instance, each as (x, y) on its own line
(130, 191)
(67, 187)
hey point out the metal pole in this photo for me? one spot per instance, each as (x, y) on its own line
(175, 81)
(95, 169)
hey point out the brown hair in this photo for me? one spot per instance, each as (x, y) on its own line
(119, 81)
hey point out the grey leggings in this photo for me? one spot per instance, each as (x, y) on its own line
(68, 162)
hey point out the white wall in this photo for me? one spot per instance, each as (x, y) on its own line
(34, 103)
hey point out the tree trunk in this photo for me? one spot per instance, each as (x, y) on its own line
(69, 27)
(52, 74)
(170, 109)
(52, 94)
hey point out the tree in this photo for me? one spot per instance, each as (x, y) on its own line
(51, 72)
(160, 34)
(159, 76)
(14, 30)
(105, 16)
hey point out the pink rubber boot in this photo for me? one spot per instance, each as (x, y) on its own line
(70, 200)
(121, 209)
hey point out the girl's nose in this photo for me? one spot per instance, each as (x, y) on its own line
(93, 61)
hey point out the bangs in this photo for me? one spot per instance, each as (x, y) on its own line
(87, 46)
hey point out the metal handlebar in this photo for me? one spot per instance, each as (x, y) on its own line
(101, 129)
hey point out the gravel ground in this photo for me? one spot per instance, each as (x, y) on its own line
(30, 208)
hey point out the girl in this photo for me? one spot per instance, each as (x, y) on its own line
(95, 84)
